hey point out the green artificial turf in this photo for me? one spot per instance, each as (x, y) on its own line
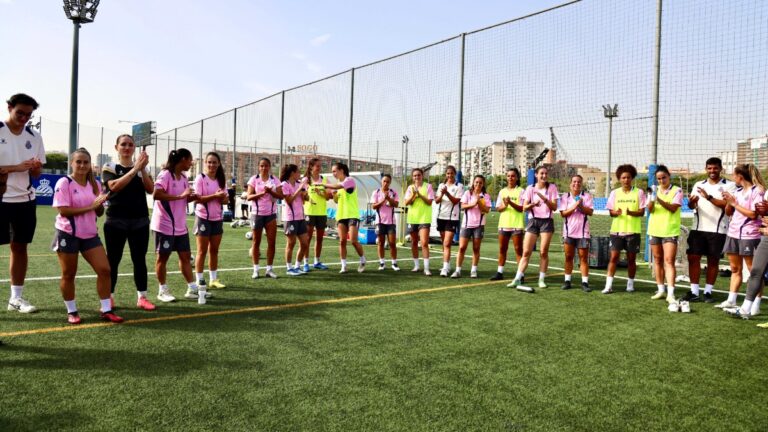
(478, 356)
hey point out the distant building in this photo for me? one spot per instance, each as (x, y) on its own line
(729, 159)
(594, 178)
(753, 150)
(494, 159)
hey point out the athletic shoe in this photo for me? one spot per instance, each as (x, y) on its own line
(201, 298)
(193, 294)
(738, 313)
(585, 287)
(566, 285)
(659, 295)
(361, 267)
(514, 284)
(217, 284)
(607, 291)
(671, 299)
(111, 317)
(201, 283)
(395, 267)
(165, 296)
(343, 270)
(255, 274)
(456, 274)
(444, 272)
(305, 268)
(20, 305)
(427, 272)
(630, 289)
(292, 272)
(382, 266)
(320, 266)
(525, 289)
(542, 284)
(674, 307)
(708, 298)
(145, 304)
(416, 269)
(726, 305)
(497, 276)
(685, 307)
(691, 297)
(271, 274)
(472, 274)
(73, 318)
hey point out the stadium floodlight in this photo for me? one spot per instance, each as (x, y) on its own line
(609, 112)
(80, 12)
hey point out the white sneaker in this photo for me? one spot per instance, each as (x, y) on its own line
(607, 291)
(416, 269)
(271, 274)
(361, 267)
(456, 274)
(726, 305)
(20, 305)
(165, 296)
(427, 272)
(190, 294)
(671, 299)
(255, 274)
(659, 295)
(674, 307)
(630, 289)
(395, 267)
(444, 272)
(343, 270)
(382, 266)
(685, 307)
(473, 274)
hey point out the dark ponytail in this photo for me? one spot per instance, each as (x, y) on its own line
(174, 157)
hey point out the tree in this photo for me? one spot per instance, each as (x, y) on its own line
(55, 160)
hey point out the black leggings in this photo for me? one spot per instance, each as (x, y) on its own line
(138, 242)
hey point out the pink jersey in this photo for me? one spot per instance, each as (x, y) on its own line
(741, 227)
(295, 210)
(430, 192)
(264, 206)
(541, 210)
(474, 217)
(386, 213)
(68, 193)
(170, 217)
(577, 224)
(211, 210)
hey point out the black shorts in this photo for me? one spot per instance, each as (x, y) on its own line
(207, 228)
(166, 244)
(510, 232)
(447, 225)
(653, 240)
(580, 243)
(67, 243)
(258, 223)
(704, 243)
(629, 243)
(741, 247)
(317, 221)
(17, 222)
(348, 222)
(540, 225)
(473, 233)
(386, 229)
(245, 207)
(415, 228)
(295, 227)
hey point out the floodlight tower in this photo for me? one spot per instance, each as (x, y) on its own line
(609, 112)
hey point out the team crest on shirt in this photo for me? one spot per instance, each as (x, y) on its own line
(166, 244)
(28, 145)
(44, 189)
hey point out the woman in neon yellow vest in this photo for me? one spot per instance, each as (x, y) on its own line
(509, 204)
(347, 214)
(315, 212)
(626, 205)
(663, 230)
(419, 197)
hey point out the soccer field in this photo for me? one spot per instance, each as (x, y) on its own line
(375, 351)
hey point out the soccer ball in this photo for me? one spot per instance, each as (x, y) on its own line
(249, 235)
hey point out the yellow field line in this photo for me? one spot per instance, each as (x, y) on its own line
(245, 310)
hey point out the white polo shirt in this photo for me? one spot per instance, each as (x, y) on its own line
(15, 149)
(708, 217)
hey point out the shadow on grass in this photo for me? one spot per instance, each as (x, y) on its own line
(65, 420)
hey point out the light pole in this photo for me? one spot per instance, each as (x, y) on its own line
(609, 112)
(80, 12)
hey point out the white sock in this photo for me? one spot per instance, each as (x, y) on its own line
(269, 268)
(362, 259)
(394, 262)
(213, 274)
(16, 291)
(609, 282)
(163, 287)
(567, 278)
(141, 294)
(382, 261)
(695, 289)
(426, 263)
(71, 306)
(305, 261)
(288, 266)
(708, 288)
(199, 276)
(746, 307)
(106, 305)
(756, 302)
(343, 263)
(671, 290)
(585, 279)
(296, 264)
(415, 263)
(192, 286)
(542, 275)
(317, 260)
(256, 268)
(660, 287)
(732, 297)
(446, 265)
(630, 283)
(500, 269)
(519, 275)
(474, 269)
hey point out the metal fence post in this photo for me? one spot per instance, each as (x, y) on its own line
(656, 85)
(200, 147)
(234, 148)
(461, 102)
(282, 124)
(175, 136)
(351, 116)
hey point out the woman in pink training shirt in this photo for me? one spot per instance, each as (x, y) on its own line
(540, 201)
(263, 192)
(79, 201)
(475, 203)
(169, 223)
(384, 201)
(575, 208)
(295, 227)
(209, 221)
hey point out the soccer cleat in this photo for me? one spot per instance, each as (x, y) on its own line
(145, 304)
(542, 284)
(708, 298)
(444, 272)
(382, 266)
(737, 313)
(566, 285)
(111, 317)
(427, 272)
(320, 266)
(292, 272)
(607, 291)
(674, 307)
(456, 274)
(659, 295)
(271, 274)
(217, 284)
(165, 296)
(20, 305)
(685, 307)
(343, 270)
(514, 284)
(190, 294)
(498, 276)
(255, 274)
(691, 297)
(585, 287)
(361, 267)
(395, 267)
(671, 299)
(473, 274)
(726, 305)
(73, 318)
(201, 296)
(305, 268)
